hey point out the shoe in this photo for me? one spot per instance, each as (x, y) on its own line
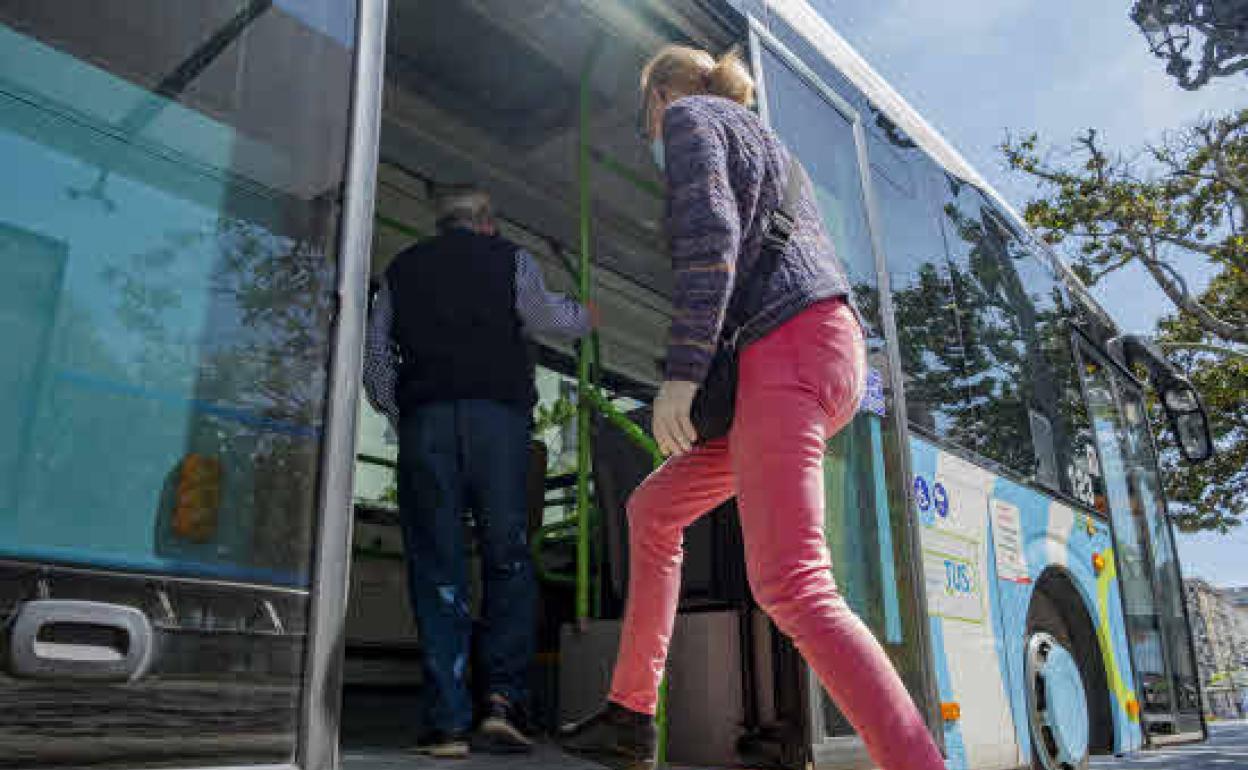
(614, 733)
(503, 731)
(440, 744)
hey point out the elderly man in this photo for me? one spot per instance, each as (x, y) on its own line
(447, 360)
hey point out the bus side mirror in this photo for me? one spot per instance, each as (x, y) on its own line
(1188, 421)
(1186, 414)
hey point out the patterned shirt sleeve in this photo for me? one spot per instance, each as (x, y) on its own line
(381, 362)
(542, 311)
(704, 233)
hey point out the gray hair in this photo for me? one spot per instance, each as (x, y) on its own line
(462, 205)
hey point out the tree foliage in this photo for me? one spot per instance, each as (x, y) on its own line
(1175, 208)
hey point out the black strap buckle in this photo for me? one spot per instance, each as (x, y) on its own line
(779, 230)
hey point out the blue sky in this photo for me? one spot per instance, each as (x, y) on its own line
(977, 69)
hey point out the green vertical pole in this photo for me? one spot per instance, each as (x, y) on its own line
(660, 721)
(584, 349)
(587, 351)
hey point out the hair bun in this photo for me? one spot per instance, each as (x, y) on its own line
(686, 71)
(731, 79)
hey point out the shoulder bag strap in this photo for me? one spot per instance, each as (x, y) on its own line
(778, 230)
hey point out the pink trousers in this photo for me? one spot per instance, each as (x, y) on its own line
(798, 386)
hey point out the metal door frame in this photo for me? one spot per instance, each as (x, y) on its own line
(1118, 378)
(321, 697)
(1178, 566)
(850, 750)
(1126, 381)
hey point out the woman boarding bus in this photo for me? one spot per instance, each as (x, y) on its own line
(801, 376)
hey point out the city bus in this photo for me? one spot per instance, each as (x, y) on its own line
(202, 565)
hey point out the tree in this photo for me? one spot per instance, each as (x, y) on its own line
(1175, 207)
(1176, 28)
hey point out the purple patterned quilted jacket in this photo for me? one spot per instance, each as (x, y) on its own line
(725, 171)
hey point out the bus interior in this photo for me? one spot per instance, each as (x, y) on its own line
(537, 102)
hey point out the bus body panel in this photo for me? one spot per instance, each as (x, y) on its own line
(1054, 535)
(986, 541)
(951, 497)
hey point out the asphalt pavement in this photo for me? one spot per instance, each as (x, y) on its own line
(1226, 749)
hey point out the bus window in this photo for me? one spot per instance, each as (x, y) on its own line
(1025, 407)
(938, 400)
(988, 292)
(1061, 437)
(823, 139)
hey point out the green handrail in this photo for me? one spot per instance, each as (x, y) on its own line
(599, 401)
(629, 174)
(589, 395)
(560, 530)
(585, 348)
(400, 227)
(569, 528)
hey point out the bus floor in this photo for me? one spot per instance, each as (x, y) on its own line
(544, 757)
(379, 728)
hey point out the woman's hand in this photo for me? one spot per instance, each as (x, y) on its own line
(672, 428)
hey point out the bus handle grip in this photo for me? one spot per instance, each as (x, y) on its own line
(80, 640)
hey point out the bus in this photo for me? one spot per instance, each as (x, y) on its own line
(201, 564)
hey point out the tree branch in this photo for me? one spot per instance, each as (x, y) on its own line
(1205, 347)
(1182, 298)
(1216, 144)
(1189, 244)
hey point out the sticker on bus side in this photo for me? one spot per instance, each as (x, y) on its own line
(940, 499)
(873, 393)
(1008, 542)
(923, 502)
(954, 589)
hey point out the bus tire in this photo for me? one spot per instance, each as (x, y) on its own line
(1058, 710)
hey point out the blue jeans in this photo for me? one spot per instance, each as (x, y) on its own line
(456, 455)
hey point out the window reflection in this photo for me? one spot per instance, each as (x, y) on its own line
(929, 340)
(174, 221)
(824, 140)
(1019, 402)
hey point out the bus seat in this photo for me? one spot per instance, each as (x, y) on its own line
(714, 569)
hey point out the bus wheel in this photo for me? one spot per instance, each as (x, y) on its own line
(1057, 704)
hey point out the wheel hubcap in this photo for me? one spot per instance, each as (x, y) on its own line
(1058, 704)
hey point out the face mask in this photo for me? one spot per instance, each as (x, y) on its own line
(656, 150)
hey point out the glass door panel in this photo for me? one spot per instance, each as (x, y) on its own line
(866, 522)
(1144, 551)
(1146, 487)
(167, 252)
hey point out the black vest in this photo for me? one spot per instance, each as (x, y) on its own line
(456, 323)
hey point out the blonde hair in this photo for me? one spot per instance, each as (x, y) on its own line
(685, 71)
(461, 205)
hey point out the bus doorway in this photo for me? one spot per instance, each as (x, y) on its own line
(536, 103)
